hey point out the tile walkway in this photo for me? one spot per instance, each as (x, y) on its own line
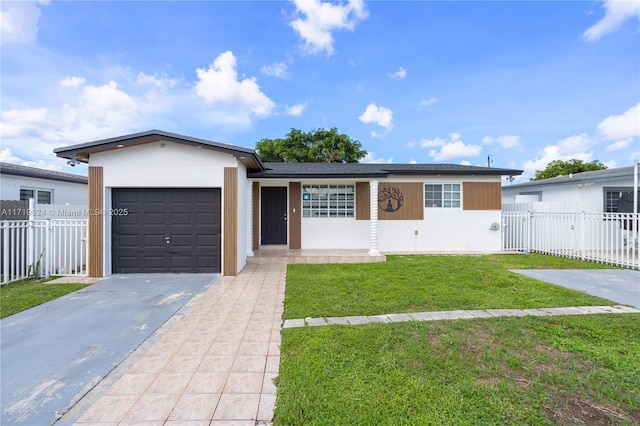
(214, 366)
(449, 315)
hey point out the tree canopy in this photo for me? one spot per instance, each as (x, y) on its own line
(316, 146)
(563, 168)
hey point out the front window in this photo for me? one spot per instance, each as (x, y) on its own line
(442, 195)
(328, 201)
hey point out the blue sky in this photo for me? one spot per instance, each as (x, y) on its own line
(423, 81)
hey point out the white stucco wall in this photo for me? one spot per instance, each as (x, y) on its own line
(153, 165)
(442, 230)
(582, 196)
(62, 192)
(331, 233)
(169, 165)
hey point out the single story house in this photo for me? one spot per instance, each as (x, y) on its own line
(594, 192)
(164, 202)
(44, 186)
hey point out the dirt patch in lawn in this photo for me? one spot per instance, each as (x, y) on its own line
(568, 409)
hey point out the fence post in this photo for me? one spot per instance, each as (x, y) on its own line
(4, 229)
(582, 229)
(529, 230)
(48, 251)
(31, 240)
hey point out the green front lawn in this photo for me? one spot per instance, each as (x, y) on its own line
(564, 370)
(428, 283)
(22, 295)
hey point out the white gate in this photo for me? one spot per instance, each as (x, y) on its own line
(601, 237)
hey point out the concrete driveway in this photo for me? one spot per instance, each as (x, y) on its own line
(619, 285)
(55, 353)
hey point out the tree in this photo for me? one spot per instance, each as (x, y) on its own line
(317, 146)
(563, 168)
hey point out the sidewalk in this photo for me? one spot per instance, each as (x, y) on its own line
(215, 365)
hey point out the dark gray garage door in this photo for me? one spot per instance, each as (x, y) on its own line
(166, 230)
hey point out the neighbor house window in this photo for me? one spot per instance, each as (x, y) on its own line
(328, 201)
(442, 195)
(42, 196)
(611, 197)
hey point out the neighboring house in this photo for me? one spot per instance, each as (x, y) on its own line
(596, 191)
(174, 203)
(44, 186)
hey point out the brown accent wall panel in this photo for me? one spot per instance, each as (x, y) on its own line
(256, 215)
(230, 218)
(295, 216)
(363, 205)
(401, 201)
(481, 196)
(95, 250)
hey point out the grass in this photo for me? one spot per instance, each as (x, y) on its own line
(22, 295)
(564, 370)
(428, 283)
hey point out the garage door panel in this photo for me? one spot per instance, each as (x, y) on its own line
(128, 240)
(188, 217)
(151, 241)
(181, 218)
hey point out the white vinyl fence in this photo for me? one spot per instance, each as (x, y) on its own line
(610, 238)
(40, 248)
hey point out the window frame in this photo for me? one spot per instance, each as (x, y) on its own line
(35, 194)
(329, 201)
(452, 201)
(605, 196)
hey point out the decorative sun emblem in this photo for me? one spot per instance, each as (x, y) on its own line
(390, 199)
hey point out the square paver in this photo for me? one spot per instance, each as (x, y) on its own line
(358, 320)
(422, 316)
(314, 322)
(399, 317)
(337, 321)
(379, 318)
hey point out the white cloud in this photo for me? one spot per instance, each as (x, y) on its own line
(6, 156)
(573, 147)
(398, 75)
(371, 158)
(162, 82)
(624, 126)
(505, 141)
(319, 20)
(72, 81)
(616, 13)
(428, 102)
(450, 148)
(413, 161)
(381, 116)
(411, 144)
(465, 163)
(19, 21)
(616, 146)
(277, 69)
(297, 109)
(17, 122)
(220, 85)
